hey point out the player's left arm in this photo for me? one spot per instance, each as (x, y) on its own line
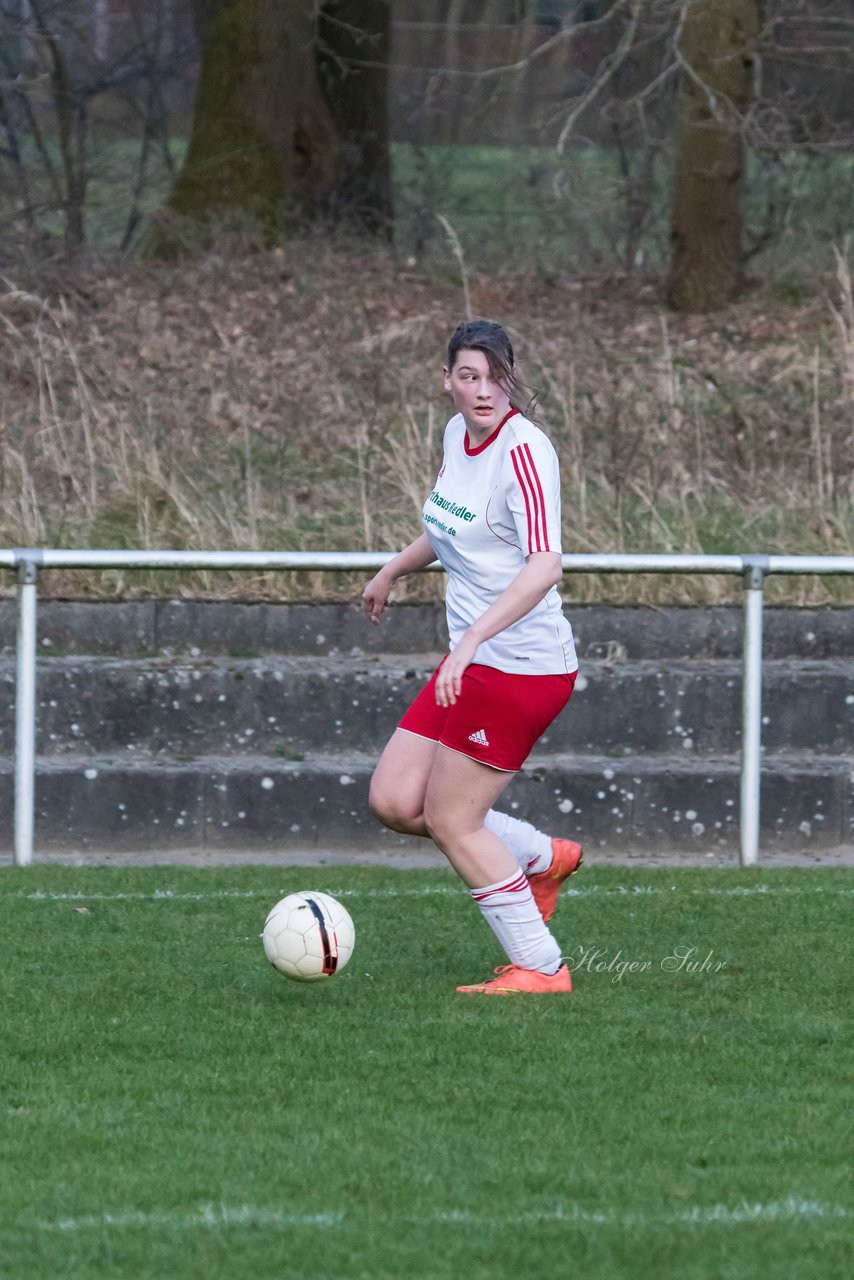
(533, 582)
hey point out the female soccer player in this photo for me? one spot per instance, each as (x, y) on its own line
(493, 521)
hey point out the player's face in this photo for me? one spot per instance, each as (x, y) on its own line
(480, 397)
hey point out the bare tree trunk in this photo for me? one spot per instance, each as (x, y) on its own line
(19, 168)
(263, 139)
(354, 53)
(714, 44)
(71, 120)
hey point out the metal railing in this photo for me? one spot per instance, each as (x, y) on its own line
(753, 569)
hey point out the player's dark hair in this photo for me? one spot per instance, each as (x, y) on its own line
(492, 340)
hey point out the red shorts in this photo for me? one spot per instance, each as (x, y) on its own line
(496, 719)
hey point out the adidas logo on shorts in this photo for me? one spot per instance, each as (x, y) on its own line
(479, 737)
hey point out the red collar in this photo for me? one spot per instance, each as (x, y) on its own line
(489, 439)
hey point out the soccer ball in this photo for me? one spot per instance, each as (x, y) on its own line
(308, 936)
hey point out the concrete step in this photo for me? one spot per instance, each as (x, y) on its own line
(637, 803)
(253, 629)
(288, 706)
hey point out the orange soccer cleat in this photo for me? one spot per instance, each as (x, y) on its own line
(566, 859)
(511, 980)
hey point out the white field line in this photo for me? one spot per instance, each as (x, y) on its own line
(222, 1216)
(426, 891)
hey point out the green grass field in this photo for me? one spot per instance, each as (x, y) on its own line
(173, 1107)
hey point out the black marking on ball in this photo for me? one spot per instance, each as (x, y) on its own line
(330, 953)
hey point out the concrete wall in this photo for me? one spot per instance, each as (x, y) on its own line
(224, 724)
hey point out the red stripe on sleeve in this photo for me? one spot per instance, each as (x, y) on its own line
(536, 524)
(545, 546)
(534, 499)
(523, 485)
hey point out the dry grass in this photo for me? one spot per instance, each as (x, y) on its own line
(292, 399)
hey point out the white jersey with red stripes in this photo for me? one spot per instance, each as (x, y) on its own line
(491, 507)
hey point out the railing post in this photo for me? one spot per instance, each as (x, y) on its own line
(25, 711)
(755, 568)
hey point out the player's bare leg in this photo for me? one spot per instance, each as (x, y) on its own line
(460, 792)
(399, 783)
(398, 789)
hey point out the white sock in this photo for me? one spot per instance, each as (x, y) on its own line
(512, 914)
(531, 848)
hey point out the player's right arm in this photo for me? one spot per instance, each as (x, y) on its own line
(412, 558)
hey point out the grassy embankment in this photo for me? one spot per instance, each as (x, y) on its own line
(290, 397)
